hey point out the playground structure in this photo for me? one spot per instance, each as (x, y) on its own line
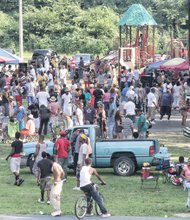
(136, 51)
(177, 48)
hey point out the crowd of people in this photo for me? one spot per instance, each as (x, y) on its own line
(42, 101)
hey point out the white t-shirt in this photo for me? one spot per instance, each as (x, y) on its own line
(30, 89)
(151, 99)
(67, 98)
(42, 98)
(83, 150)
(79, 115)
(85, 176)
(63, 73)
(136, 74)
(176, 90)
(131, 94)
(130, 108)
(50, 80)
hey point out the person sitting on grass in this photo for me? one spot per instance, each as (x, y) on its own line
(30, 128)
(44, 177)
(16, 153)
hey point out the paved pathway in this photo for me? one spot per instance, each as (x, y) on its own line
(45, 217)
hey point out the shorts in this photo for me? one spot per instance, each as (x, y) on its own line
(15, 164)
(78, 171)
(45, 183)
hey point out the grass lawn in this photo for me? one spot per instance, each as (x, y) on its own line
(123, 194)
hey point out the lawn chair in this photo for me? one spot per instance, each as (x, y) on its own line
(151, 180)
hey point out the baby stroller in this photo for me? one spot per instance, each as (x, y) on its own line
(170, 173)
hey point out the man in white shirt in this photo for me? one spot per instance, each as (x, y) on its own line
(79, 115)
(131, 94)
(88, 188)
(83, 154)
(67, 105)
(130, 76)
(30, 91)
(63, 74)
(152, 105)
(136, 75)
(129, 109)
(32, 73)
(42, 97)
(50, 81)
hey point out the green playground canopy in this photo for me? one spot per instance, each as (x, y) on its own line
(137, 15)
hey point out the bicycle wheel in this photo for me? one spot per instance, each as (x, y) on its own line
(81, 207)
(97, 208)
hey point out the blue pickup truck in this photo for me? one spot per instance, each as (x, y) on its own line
(124, 156)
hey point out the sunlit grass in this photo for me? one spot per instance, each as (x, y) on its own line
(123, 194)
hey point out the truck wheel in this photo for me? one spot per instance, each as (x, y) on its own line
(124, 166)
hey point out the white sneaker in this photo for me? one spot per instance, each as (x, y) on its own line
(56, 213)
(105, 215)
(41, 201)
(89, 214)
(48, 202)
(76, 188)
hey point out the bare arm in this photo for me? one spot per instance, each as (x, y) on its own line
(12, 152)
(94, 172)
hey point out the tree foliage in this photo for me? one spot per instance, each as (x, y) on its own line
(80, 25)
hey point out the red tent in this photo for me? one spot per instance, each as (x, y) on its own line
(171, 64)
(5, 59)
(182, 67)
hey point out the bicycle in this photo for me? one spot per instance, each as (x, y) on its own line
(81, 204)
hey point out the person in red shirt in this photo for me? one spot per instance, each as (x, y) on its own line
(62, 148)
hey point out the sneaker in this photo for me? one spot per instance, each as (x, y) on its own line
(76, 188)
(89, 214)
(20, 182)
(105, 215)
(40, 201)
(48, 202)
(56, 213)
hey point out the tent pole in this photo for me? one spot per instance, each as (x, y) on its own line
(130, 36)
(153, 43)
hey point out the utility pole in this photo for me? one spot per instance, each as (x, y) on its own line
(20, 30)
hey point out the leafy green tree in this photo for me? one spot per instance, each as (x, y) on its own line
(8, 31)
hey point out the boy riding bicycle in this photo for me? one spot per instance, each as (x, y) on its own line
(87, 187)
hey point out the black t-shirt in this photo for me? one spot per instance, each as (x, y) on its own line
(98, 94)
(34, 109)
(18, 146)
(45, 166)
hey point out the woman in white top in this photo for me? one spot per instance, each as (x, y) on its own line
(176, 95)
(40, 147)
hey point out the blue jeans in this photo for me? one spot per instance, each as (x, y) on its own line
(111, 127)
(30, 99)
(64, 163)
(91, 192)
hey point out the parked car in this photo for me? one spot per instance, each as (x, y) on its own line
(124, 156)
(87, 58)
(39, 55)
